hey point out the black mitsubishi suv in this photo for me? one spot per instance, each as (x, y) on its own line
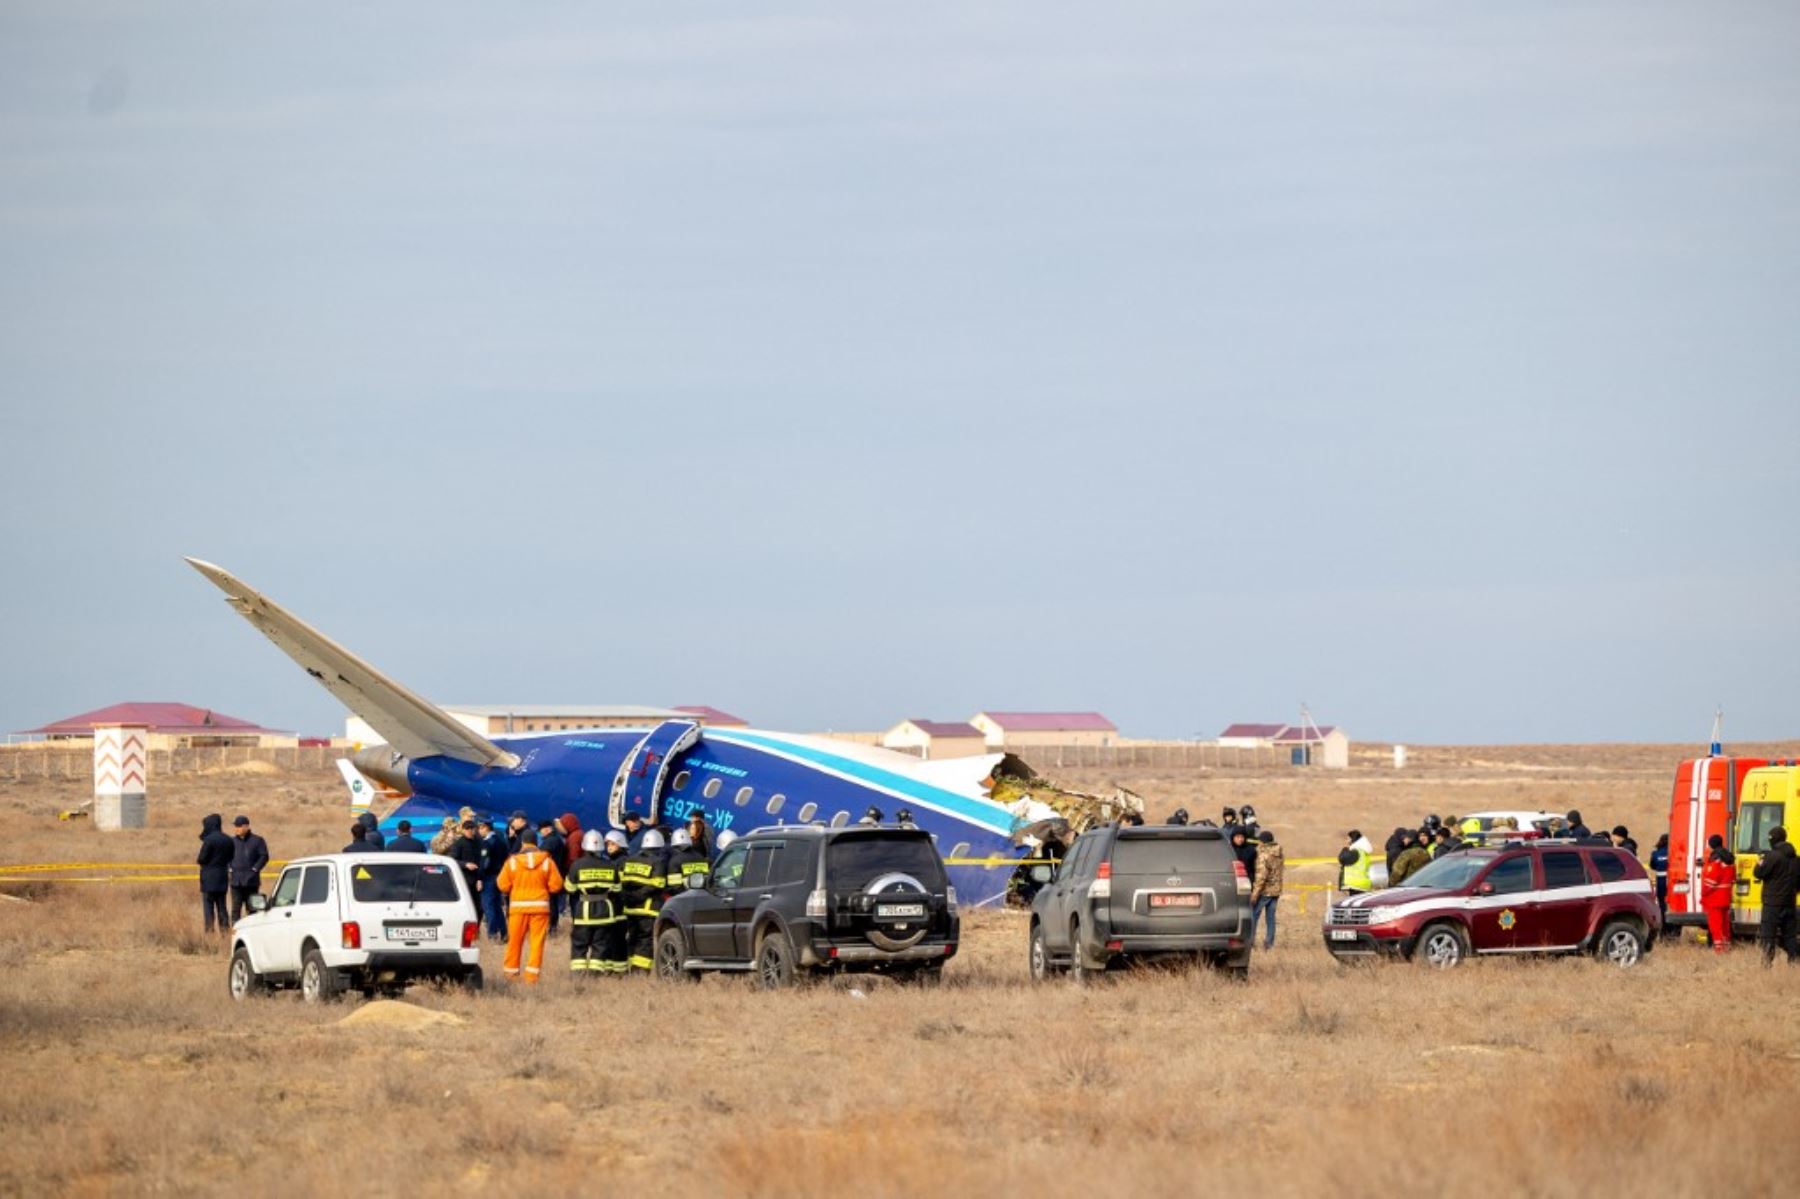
(795, 900)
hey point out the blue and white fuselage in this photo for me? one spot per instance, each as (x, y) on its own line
(738, 779)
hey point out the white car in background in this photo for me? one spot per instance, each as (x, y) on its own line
(1530, 825)
(372, 922)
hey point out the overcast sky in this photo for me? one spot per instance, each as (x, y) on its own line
(1437, 365)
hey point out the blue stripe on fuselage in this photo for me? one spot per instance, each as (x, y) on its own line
(988, 815)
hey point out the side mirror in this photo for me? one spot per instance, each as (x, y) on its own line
(1042, 874)
(1485, 889)
(258, 903)
(695, 882)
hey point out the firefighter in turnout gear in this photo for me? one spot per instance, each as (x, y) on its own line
(528, 880)
(686, 862)
(612, 934)
(641, 883)
(593, 889)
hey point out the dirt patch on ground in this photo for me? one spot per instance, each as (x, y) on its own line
(406, 1017)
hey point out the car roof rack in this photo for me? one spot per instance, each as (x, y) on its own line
(1595, 842)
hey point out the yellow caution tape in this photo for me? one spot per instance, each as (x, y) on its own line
(1001, 861)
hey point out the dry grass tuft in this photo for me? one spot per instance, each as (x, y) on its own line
(1084, 1065)
(1316, 1020)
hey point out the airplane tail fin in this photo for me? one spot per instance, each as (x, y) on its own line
(411, 725)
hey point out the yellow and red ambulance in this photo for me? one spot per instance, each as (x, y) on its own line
(1705, 803)
(1739, 799)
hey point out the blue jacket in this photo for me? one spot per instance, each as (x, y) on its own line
(494, 852)
(405, 843)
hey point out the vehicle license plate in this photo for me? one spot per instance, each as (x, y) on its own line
(1175, 901)
(412, 934)
(1343, 934)
(896, 911)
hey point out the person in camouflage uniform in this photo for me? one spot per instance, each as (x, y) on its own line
(1413, 858)
(1265, 889)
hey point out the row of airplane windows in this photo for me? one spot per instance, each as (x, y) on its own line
(807, 811)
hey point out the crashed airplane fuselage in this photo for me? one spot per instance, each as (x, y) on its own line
(738, 779)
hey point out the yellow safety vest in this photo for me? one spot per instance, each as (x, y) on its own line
(1356, 875)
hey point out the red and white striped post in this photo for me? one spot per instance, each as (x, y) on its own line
(121, 770)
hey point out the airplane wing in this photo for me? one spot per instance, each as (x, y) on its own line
(411, 725)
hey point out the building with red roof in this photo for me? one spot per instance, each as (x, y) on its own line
(936, 738)
(1011, 729)
(1307, 743)
(170, 726)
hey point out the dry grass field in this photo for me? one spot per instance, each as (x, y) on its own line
(128, 1069)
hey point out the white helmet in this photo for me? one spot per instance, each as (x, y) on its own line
(726, 838)
(681, 840)
(591, 841)
(652, 840)
(615, 837)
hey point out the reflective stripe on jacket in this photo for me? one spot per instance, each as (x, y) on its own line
(1717, 882)
(641, 883)
(683, 865)
(529, 879)
(593, 885)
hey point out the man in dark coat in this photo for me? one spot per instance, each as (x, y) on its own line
(215, 871)
(1578, 828)
(553, 843)
(634, 831)
(1779, 873)
(249, 854)
(1396, 842)
(1243, 850)
(466, 853)
(405, 842)
(371, 830)
(493, 859)
(359, 840)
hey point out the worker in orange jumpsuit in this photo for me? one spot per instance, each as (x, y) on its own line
(528, 880)
(1717, 882)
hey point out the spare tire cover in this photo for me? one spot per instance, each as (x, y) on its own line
(897, 937)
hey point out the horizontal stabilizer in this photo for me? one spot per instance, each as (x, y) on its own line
(412, 726)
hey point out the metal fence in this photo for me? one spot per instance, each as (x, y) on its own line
(1158, 756)
(45, 763)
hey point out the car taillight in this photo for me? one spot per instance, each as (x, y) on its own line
(470, 931)
(950, 898)
(1101, 888)
(352, 935)
(1243, 878)
(1105, 870)
(815, 904)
